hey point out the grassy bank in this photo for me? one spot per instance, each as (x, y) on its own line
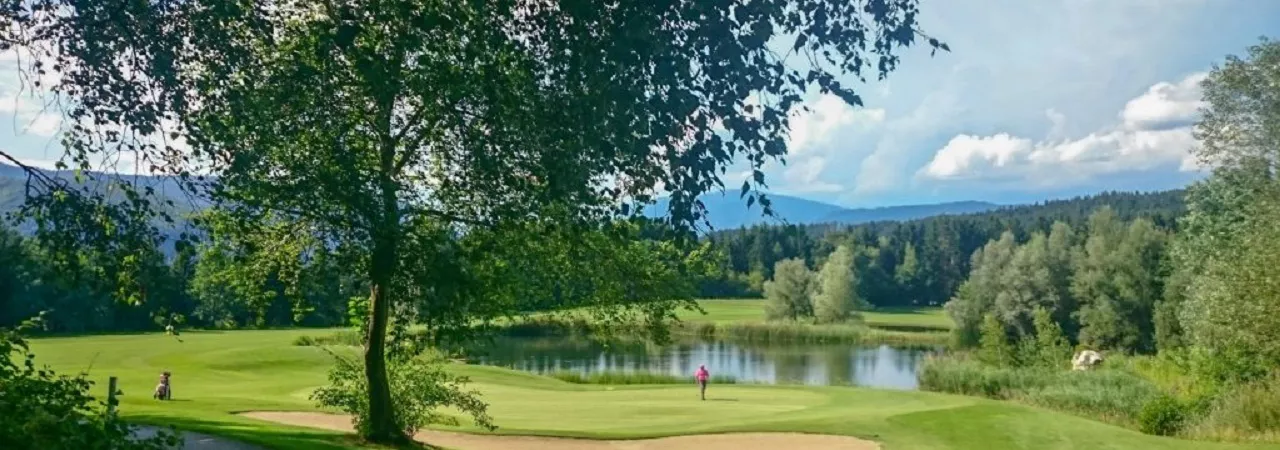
(217, 374)
(765, 332)
(624, 378)
(1109, 395)
(752, 311)
(1146, 393)
(743, 321)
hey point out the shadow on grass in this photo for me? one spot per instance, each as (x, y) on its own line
(270, 436)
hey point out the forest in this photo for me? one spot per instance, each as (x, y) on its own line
(227, 282)
(918, 262)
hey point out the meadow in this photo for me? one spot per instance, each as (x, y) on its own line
(743, 320)
(220, 374)
(724, 311)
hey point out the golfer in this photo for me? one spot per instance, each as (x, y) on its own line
(702, 375)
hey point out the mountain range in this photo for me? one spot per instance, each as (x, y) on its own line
(725, 211)
(728, 212)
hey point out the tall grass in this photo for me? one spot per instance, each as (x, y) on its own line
(742, 332)
(1110, 395)
(620, 378)
(793, 332)
(1247, 413)
(343, 337)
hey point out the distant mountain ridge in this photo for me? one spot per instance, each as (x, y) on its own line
(727, 212)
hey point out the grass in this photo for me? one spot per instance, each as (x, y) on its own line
(766, 332)
(625, 378)
(1111, 395)
(722, 311)
(743, 321)
(217, 374)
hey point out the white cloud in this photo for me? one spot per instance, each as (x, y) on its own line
(826, 116)
(1155, 132)
(1165, 105)
(819, 136)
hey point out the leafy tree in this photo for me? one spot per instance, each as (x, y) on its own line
(1117, 282)
(1026, 286)
(358, 118)
(835, 296)
(788, 295)
(1051, 346)
(1060, 254)
(978, 295)
(995, 347)
(1227, 301)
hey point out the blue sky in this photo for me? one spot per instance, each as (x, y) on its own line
(1037, 99)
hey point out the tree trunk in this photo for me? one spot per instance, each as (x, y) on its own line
(382, 423)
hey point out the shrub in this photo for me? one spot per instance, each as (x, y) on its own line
(1162, 416)
(419, 386)
(1251, 411)
(40, 409)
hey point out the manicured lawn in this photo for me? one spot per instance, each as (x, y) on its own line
(219, 373)
(752, 310)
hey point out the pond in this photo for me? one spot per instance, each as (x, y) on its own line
(879, 366)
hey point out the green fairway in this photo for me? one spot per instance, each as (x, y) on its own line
(219, 373)
(752, 310)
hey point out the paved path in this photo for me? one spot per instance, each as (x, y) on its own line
(197, 441)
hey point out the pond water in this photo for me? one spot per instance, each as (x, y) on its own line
(879, 366)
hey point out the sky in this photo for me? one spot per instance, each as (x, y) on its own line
(1037, 99)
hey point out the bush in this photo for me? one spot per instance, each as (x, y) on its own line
(40, 409)
(1161, 416)
(419, 386)
(1249, 412)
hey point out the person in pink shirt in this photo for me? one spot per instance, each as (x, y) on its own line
(702, 375)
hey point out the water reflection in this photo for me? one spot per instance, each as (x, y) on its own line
(880, 366)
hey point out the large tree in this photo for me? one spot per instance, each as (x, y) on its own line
(1225, 298)
(360, 118)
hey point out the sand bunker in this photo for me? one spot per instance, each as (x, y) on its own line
(465, 441)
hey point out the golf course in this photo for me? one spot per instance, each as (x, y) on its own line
(253, 387)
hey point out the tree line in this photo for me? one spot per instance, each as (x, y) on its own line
(918, 262)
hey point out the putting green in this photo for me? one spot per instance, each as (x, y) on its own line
(220, 374)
